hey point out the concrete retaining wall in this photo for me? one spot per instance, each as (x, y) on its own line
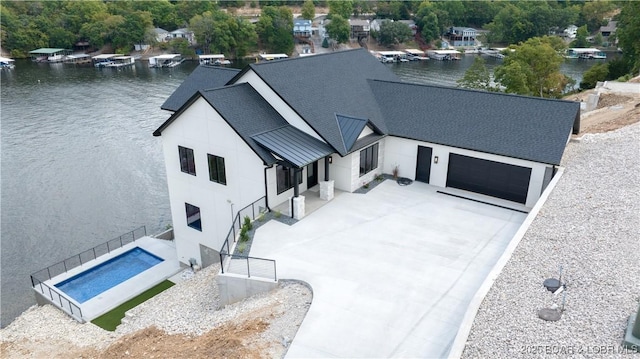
(234, 288)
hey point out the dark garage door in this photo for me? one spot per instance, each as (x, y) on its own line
(423, 166)
(494, 179)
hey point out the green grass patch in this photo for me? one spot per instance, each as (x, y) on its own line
(111, 319)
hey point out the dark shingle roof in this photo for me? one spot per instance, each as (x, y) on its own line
(202, 78)
(293, 145)
(317, 87)
(528, 128)
(232, 103)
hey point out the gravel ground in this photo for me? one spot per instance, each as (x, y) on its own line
(190, 308)
(591, 227)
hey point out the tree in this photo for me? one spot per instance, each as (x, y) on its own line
(275, 29)
(627, 33)
(533, 69)
(343, 8)
(510, 25)
(338, 29)
(477, 76)
(308, 10)
(595, 73)
(581, 37)
(593, 13)
(393, 33)
(430, 29)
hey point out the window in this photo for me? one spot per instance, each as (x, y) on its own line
(187, 162)
(285, 177)
(368, 159)
(216, 169)
(193, 217)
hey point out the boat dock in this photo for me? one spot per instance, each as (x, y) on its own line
(213, 59)
(444, 55)
(166, 60)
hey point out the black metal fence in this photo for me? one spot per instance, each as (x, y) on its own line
(39, 278)
(245, 265)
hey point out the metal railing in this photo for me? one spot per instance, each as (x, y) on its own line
(38, 278)
(245, 265)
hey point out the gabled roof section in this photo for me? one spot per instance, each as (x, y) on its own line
(202, 78)
(333, 83)
(351, 128)
(293, 145)
(528, 128)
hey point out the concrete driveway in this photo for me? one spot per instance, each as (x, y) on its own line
(392, 271)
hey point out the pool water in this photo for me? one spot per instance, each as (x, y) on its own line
(107, 275)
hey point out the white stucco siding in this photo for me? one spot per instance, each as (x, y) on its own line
(365, 131)
(272, 187)
(203, 130)
(345, 171)
(403, 153)
(277, 103)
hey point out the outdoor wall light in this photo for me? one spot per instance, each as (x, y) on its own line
(435, 159)
(330, 159)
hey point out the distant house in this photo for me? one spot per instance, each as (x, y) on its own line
(162, 35)
(375, 24)
(570, 31)
(264, 134)
(462, 36)
(411, 24)
(359, 28)
(183, 33)
(302, 28)
(608, 30)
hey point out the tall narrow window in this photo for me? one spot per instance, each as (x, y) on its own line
(368, 159)
(187, 161)
(285, 177)
(216, 169)
(193, 216)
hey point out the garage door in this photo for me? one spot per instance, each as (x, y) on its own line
(491, 178)
(423, 166)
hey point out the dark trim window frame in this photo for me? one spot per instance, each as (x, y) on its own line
(285, 178)
(193, 216)
(187, 160)
(216, 169)
(368, 159)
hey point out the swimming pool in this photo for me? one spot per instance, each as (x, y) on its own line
(107, 275)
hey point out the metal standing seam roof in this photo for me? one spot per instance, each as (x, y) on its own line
(350, 128)
(293, 145)
(46, 50)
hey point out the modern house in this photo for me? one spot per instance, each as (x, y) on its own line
(336, 121)
(183, 33)
(360, 28)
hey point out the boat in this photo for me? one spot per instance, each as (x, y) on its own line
(166, 60)
(121, 61)
(7, 63)
(444, 55)
(585, 53)
(270, 57)
(415, 55)
(104, 60)
(47, 54)
(77, 59)
(392, 56)
(497, 52)
(214, 59)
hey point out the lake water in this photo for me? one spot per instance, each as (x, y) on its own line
(80, 165)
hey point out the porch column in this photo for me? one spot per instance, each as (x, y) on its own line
(326, 186)
(297, 202)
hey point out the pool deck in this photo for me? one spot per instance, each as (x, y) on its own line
(130, 288)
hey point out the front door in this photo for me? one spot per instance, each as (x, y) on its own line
(312, 175)
(423, 166)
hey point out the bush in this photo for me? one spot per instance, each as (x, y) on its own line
(595, 73)
(247, 223)
(242, 247)
(244, 236)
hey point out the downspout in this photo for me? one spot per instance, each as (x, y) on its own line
(266, 189)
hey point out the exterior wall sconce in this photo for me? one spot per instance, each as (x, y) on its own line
(330, 159)
(435, 159)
